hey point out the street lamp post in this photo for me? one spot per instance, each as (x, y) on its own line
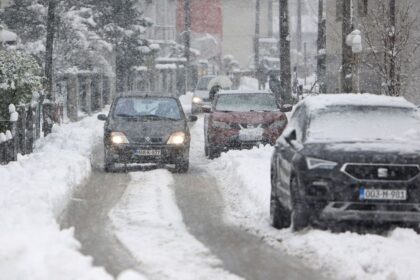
(354, 40)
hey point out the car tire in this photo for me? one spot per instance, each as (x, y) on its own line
(109, 164)
(300, 214)
(213, 152)
(182, 166)
(279, 215)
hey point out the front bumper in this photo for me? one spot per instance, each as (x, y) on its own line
(347, 211)
(332, 195)
(226, 139)
(169, 154)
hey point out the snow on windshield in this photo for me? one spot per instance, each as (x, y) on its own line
(139, 107)
(246, 102)
(364, 123)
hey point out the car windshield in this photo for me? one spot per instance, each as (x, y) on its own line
(364, 123)
(246, 102)
(203, 83)
(151, 108)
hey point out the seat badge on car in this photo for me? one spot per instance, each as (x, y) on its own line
(382, 173)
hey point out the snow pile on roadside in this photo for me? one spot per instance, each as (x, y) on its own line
(149, 223)
(33, 193)
(186, 101)
(244, 178)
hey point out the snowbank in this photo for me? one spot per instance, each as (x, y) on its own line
(33, 193)
(244, 178)
(186, 101)
(149, 223)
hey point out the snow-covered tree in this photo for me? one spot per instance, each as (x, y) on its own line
(392, 35)
(122, 24)
(20, 77)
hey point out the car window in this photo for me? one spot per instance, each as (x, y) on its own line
(364, 123)
(147, 107)
(246, 102)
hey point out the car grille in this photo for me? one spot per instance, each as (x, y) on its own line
(381, 172)
(149, 141)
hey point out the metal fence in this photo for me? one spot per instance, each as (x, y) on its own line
(22, 133)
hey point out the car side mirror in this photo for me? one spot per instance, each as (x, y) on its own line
(192, 118)
(206, 109)
(102, 117)
(285, 108)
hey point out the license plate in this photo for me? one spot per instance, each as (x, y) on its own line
(255, 134)
(149, 152)
(378, 194)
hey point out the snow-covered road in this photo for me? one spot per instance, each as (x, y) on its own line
(211, 223)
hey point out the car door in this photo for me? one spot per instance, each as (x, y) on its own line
(285, 155)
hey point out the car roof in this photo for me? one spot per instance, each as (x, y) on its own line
(141, 94)
(244, 91)
(321, 101)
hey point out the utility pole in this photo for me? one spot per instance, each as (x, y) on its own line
(392, 67)
(321, 68)
(187, 41)
(50, 48)
(285, 64)
(299, 26)
(257, 35)
(48, 110)
(347, 55)
(270, 18)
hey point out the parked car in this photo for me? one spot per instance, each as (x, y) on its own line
(146, 129)
(347, 158)
(242, 119)
(206, 89)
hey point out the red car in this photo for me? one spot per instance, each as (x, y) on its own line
(240, 119)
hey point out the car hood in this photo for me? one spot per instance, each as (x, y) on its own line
(248, 117)
(365, 152)
(135, 129)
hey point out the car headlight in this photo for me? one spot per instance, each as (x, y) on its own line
(277, 124)
(197, 100)
(315, 163)
(118, 138)
(177, 138)
(221, 125)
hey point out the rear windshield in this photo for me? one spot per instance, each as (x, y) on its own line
(246, 103)
(364, 123)
(154, 108)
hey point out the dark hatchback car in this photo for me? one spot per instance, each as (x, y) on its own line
(243, 119)
(146, 129)
(348, 158)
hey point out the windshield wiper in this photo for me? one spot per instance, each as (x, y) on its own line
(126, 116)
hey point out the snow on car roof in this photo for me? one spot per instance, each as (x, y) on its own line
(326, 100)
(245, 91)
